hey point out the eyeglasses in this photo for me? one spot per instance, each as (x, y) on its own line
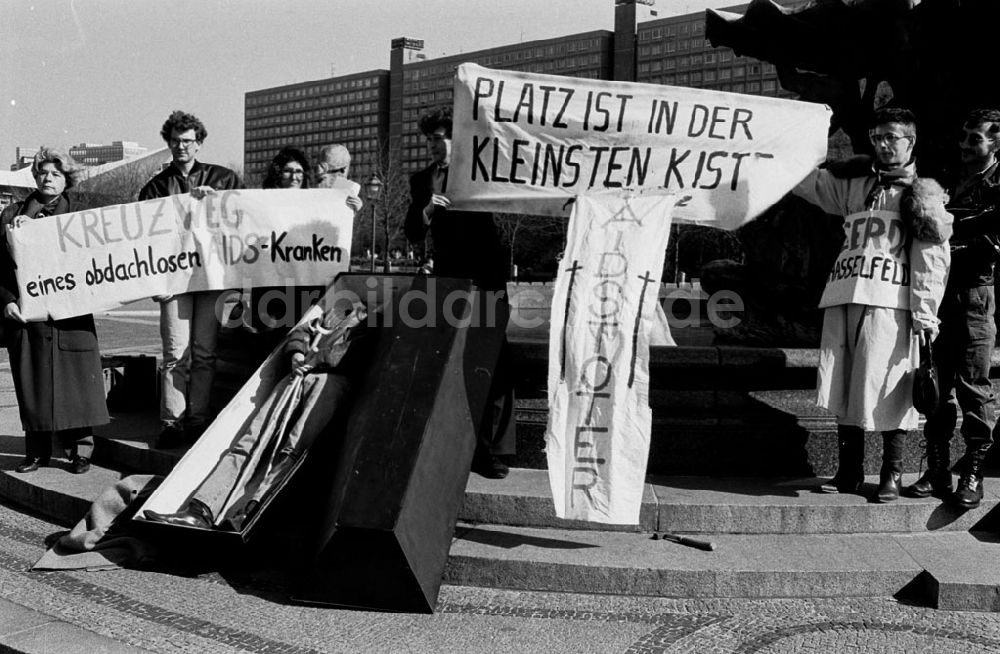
(887, 138)
(293, 172)
(182, 143)
(972, 138)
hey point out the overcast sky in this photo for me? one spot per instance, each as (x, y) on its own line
(74, 71)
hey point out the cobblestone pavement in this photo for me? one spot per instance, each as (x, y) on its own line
(233, 612)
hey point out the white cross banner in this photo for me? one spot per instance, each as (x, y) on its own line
(604, 307)
(98, 259)
(528, 143)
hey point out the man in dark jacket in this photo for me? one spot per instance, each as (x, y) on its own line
(467, 245)
(188, 324)
(964, 347)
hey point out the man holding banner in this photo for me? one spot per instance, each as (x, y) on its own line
(881, 296)
(188, 322)
(466, 244)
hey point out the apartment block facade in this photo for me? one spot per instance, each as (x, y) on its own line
(378, 110)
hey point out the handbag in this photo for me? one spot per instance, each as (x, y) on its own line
(926, 389)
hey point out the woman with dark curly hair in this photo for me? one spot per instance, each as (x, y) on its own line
(288, 169)
(278, 306)
(56, 364)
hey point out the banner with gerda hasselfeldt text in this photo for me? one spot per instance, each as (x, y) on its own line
(98, 259)
(527, 143)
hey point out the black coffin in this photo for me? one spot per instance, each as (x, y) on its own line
(400, 473)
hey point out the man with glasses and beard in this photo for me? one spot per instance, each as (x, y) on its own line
(964, 347)
(188, 324)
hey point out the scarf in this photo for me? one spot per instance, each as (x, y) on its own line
(902, 176)
(34, 207)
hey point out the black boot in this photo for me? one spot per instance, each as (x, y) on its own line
(194, 514)
(892, 465)
(851, 460)
(969, 492)
(936, 480)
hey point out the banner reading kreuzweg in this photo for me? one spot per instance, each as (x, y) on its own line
(98, 259)
(527, 143)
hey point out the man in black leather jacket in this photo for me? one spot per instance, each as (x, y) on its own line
(964, 346)
(188, 324)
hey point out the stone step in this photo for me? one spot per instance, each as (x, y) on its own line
(676, 504)
(733, 505)
(951, 569)
(745, 566)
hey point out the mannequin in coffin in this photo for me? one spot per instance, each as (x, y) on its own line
(324, 357)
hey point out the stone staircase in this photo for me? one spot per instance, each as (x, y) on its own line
(737, 452)
(773, 537)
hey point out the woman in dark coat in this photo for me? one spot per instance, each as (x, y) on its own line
(56, 364)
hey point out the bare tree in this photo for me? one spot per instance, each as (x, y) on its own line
(390, 206)
(531, 241)
(118, 186)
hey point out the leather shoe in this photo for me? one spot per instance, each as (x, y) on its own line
(31, 463)
(79, 465)
(969, 493)
(170, 438)
(194, 514)
(932, 482)
(841, 484)
(487, 465)
(888, 486)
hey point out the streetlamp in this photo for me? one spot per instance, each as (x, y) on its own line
(372, 188)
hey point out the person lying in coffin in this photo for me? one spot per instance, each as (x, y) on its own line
(325, 356)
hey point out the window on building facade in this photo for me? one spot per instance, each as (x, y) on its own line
(709, 75)
(739, 71)
(753, 87)
(670, 64)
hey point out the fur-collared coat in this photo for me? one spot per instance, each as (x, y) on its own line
(56, 364)
(868, 349)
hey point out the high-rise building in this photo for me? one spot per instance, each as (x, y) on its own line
(351, 110)
(23, 157)
(96, 154)
(378, 110)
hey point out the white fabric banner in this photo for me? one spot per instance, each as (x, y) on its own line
(527, 143)
(98, 259)
(873, 268)
(604, 307)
